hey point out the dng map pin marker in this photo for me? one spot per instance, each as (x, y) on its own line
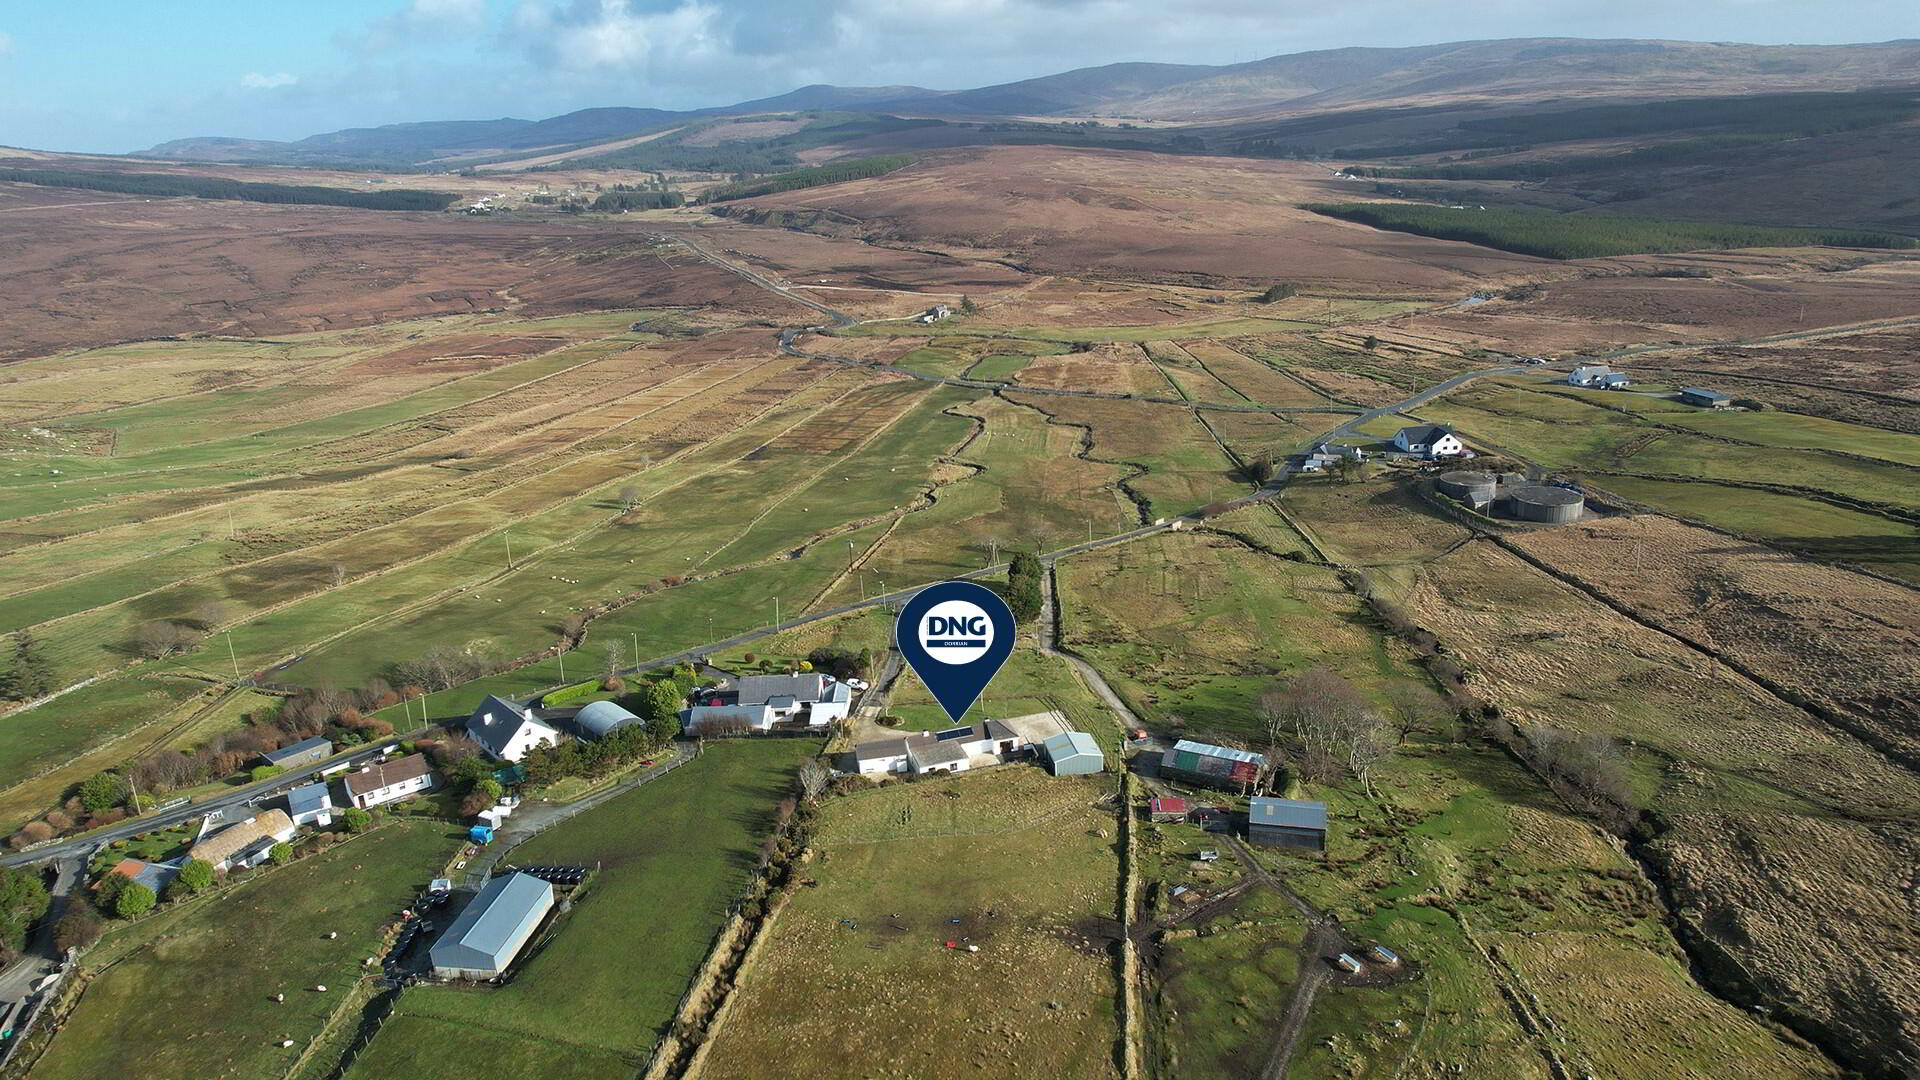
(955, 635)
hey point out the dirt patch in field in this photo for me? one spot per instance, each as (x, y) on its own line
(1887, 362)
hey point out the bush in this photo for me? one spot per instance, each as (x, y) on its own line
(356, 820)
(281, 853)
(264, 772)
(79, 928)
(1276, 293)
(194, 875)
(103, 791)
(134, 899)
(567, 695)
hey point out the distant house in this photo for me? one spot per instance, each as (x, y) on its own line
(1205, 763)
(248, 843)
(304, 752)
(154, 875)
(506, 731)
(1169, 810)
(600, 719)
(936, 313)
(1706, 399)
(1617, 380)
(759, 702)
(311, 805)
(1073, 753)
(955, 749)
(1588, 375)
(397, 779)
(1294, 823)
(1326, 455)
(1428, 440)
(492, 929)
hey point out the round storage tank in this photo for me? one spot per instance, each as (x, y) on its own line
(1471, 485)
(1555, 505)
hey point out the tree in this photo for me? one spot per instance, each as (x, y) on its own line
(1024, 588)
(815, 778)
(103, 791)
(1370, 343)
(79, 928)
(967, 306)
(338, 572)
(1260, 469)
(1278, 292)
(31, 675)
(610, 659)
(629, 498)
(194, 875)
(356, 820)
(23, 899)
(281, 853)
(1419, 705)
(663, 703)
(164, 637)
(134, 899)
(1323, 714)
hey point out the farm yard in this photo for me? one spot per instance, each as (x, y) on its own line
(1015, 862)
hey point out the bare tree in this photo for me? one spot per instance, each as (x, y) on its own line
(338, 571)
(612, 655)
(814, 780)
(164, 637)
(629, 498)
(1419, 705)
(1331, 724)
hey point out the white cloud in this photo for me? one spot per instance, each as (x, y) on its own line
(253, 80)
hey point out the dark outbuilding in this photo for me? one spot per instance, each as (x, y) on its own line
(1294, 823)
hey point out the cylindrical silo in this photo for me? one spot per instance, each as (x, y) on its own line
(1467, 485)
(1554, 505)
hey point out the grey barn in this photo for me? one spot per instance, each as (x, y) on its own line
(493, 929)
(1294, 823)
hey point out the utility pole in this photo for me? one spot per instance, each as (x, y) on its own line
(776, 614)
(234, 530)
(636, 649)
(231, 656)
(993, 552)
(509, 538)
(133, 789)
(563, 667)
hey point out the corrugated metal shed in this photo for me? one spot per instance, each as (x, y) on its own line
(1209, 750)
(1074, 753)
(599, 719)
(493, 928)
(1287, 813)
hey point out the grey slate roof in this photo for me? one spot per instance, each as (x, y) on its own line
(496, 720)
(1287, 813)
(937, 753)
(375, 777)
(760, 689)
(1425, 434)
(492, 929)
(306, 799)
(296, 749)
(886, 748)
(1710, 395)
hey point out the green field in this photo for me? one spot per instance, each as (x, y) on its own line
(425, 1048)
(1014, 861)
(190, 992)
(672, 854)
(1190, 628)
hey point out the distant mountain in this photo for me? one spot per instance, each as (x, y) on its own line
(1529, 70)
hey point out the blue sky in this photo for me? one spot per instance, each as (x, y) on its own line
(121, 75)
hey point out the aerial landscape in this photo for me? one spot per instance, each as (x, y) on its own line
(1448, 514)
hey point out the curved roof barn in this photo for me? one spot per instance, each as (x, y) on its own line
(599, 719)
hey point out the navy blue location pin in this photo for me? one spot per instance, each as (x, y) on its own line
(955, 635)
